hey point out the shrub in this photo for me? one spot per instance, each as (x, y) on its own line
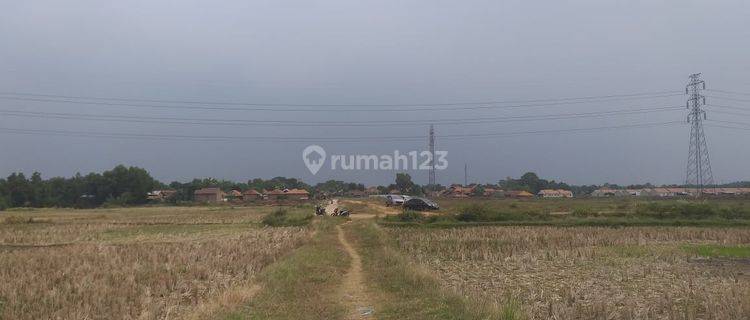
(410, 216)
(483, 213)
(282, 218)
(584, 212)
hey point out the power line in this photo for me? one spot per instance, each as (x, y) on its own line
(727, 127)
(731, 122)
(729, 92)
(401, 108)
(732, 113)
(245, 122)
(140, 136)
(728, 107)
(654, 93)
(730, 99)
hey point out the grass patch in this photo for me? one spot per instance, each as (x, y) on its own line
(303, 285)
(691, 210)
(613, 222)
(717, 251)
(284, 218)
(405, 290)
(484, 213)
(406, 216)
(672, 213)
(511, 310)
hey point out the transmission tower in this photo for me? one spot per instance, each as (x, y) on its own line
(699, 175)
(431, 179)
(466, 174)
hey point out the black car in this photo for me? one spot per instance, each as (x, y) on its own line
(420, 204)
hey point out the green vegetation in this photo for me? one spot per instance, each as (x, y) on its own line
(581, 212)
(685, 209)
(407, 216)
(284, 218)
(530, 182)
(409, 292)
(303, 285)
(717, 251)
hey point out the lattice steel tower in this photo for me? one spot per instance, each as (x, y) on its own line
(431, 179)
(699, 175)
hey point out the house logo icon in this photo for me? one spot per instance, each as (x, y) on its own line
(314, 157)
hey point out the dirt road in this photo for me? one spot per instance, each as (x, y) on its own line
(354, 294)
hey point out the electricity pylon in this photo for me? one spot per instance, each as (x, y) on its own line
(699, 175)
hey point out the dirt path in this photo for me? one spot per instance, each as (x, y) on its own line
(379, 207)
(354, 295)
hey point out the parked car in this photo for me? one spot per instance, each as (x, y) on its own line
(421, 204)
(394, 200)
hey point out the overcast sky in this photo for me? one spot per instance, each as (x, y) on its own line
(375, 52)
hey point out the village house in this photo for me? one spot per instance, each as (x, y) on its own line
(519, 194)
(608, 192)
(251, 195)
(492, 192)
(552, 193)
(234, 195)
(161, 195)
(209, 195)
(458, 191)
(290, 194)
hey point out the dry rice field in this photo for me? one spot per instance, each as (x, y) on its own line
(588, 272)
(142, 263)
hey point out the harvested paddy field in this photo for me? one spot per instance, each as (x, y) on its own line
(590, 272)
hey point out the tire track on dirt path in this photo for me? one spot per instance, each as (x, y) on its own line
(359, 305)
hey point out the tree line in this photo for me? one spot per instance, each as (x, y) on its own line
(121, 185)
(130, 186)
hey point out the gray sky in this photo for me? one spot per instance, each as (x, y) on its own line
(375, 52)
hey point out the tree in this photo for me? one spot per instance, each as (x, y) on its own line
(18, 189)
(404, 183)
(478, 191)
(406, 186)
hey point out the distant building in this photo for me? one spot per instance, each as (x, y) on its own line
(298, 194)
(209, 195)
(518, 194)
(251, 194)
(458, 191)
(609, 192)
(666, 192)
(492, 192)
(552, 193)
(291, 194)
(234, 195)
(161, 195)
